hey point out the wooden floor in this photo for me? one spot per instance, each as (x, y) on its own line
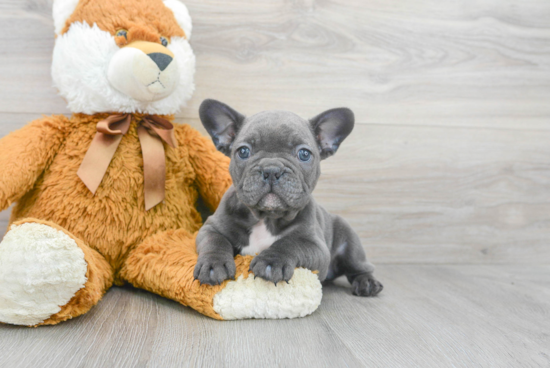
(446, 178)
(428, 316)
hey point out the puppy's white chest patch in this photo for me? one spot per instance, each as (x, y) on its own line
(260, 239)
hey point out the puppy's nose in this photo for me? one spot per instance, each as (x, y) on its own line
(272, 173)
(162, 60)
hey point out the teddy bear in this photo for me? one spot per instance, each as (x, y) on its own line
(108, 195)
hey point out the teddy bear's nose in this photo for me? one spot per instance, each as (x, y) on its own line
(162, 60)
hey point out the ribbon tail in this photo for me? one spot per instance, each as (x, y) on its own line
(97, 160)
(165, 129)
(154, 168)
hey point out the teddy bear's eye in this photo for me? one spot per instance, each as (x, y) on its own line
(122, 33)
(164, 41)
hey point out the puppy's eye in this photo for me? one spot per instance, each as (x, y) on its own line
(164, 41)
(122, 33)
(304, 155)
(243, 152)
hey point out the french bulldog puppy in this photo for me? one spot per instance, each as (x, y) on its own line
(269, 210)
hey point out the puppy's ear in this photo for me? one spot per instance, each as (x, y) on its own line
(331, 128)
(221, 122)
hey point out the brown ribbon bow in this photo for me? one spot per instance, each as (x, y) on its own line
(152, 130)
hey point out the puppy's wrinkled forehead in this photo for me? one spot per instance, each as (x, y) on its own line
(275, 130)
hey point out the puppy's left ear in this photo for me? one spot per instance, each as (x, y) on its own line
(221, 122)
(331, 128)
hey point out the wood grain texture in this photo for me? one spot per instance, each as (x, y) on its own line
(429, 62)
(427, 316)
(446, 178)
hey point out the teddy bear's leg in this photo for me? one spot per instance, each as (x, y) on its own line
(164, 264)
(47, 275)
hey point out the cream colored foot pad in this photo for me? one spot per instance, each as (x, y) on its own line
(41, 269)
(257, 298)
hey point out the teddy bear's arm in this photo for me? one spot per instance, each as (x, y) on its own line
(211, 167)
(25, 153)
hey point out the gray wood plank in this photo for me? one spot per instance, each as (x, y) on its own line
(478, 63)
(448, 316)
(425, 194)
(14, 121)
(427, 316)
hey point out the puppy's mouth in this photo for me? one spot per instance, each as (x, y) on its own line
(271, 202)
(272, 197)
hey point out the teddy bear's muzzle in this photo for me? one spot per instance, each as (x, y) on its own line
(145, 71)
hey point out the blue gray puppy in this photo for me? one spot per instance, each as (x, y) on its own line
(269, 210)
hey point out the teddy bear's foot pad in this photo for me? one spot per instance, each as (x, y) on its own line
(256, 298)
(41, 269)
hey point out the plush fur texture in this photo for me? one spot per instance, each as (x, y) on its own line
(133, 73)
(39, 165)
(247, 298)
(81, 58)
(42, 268)
(182, 16)
(154, 249)
(113, 220)
(145, 20)
(88, 42)
(88, 242)
(62, 10)
(98, 277)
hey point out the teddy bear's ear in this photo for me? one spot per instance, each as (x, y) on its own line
(182, 16)
(62, 10)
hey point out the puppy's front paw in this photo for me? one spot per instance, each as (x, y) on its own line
(366, 285)
(273, 267)
(213, 269)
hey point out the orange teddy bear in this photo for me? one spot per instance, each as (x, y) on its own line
(108, 195)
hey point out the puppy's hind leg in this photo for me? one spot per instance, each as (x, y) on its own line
(349, 259)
